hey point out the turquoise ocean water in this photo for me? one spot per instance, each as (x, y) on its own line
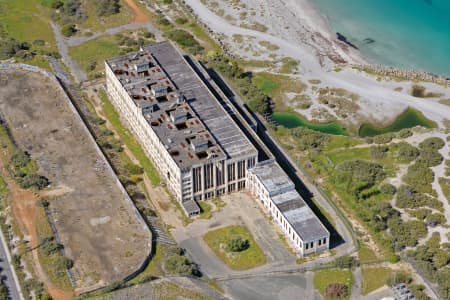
(406, 33)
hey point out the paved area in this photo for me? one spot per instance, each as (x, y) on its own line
(9, 280)
(240, 209)
(292, 287)
(75, 69)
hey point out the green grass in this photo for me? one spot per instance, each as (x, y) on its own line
(445, 185)
(27, 20)
(247, 259)
(324, 212)
(96, 50)
(323, 278)
(129, 140)
(366, 254)
(374, 278)
(205, 210)
(55, 271)
(95, 23)
(275, 86)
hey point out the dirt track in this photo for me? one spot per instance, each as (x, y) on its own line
(23, 204)
(97, 227)
(139, 16)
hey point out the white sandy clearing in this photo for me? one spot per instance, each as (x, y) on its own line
(302, 33)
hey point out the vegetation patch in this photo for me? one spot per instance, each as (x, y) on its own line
(235, 246)
(91, 55)
(129, 140)
(374, 278)
(323, 279)
(419, 91)
(408, 119)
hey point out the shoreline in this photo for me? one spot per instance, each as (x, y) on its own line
(317, 21)
(298, 30)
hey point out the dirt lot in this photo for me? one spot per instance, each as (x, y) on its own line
(95, 224)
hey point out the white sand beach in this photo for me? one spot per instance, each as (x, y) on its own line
(271, 30)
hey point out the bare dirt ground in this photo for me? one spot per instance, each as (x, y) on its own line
(98, 228)
(23, 204)
(139, 16)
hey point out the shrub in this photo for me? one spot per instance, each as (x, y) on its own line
(177, 264)
(407, 152)
(378, 152)
(419, 176)
(107, 7)
(9, 47)
(49, 245)
(404, 133)
(308, 139)
(185, 40)
(41, 202)
(383, 138)
(33, 180)
(134, 169)
(181, 21)
(356, 175)
(68, 30)
(237, 245)
(336, 290)
(20, 159)
(345, 262)
(418, 91)
(388, 189)
(430, 157)
(410, 197)
(397, 278)
(406, 234)
(433, 143)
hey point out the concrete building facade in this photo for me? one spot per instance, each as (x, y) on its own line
(279, 199)
(192, 140)
(180, 120)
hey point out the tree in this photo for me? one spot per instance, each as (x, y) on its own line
(33, 180)
(68, 30)
(20, 159)
(397, 278)
(378, 152)
(237, 244)
(177, 264)
(357, 175)
(388, 189)
(432, 143)
(336, 290)
(107, 7)
(407, 152)
(345, 262)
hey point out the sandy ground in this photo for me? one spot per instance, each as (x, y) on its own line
(23, 203)
(139, 16)
(300, 32)
(95, 223)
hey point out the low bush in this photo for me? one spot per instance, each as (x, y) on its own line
(383, 138)
(388, 189)
(33, 180)
(407, 153)
(345, 262)
(336, 291)
(378, 152)
(237, 245)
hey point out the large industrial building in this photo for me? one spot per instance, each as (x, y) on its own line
(277, 194)
(180, 121)
(193, 141)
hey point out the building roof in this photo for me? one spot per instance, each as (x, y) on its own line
(185, 115)
(289, 202)
(272, 177)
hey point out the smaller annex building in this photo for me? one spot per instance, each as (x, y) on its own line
(271, 185)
